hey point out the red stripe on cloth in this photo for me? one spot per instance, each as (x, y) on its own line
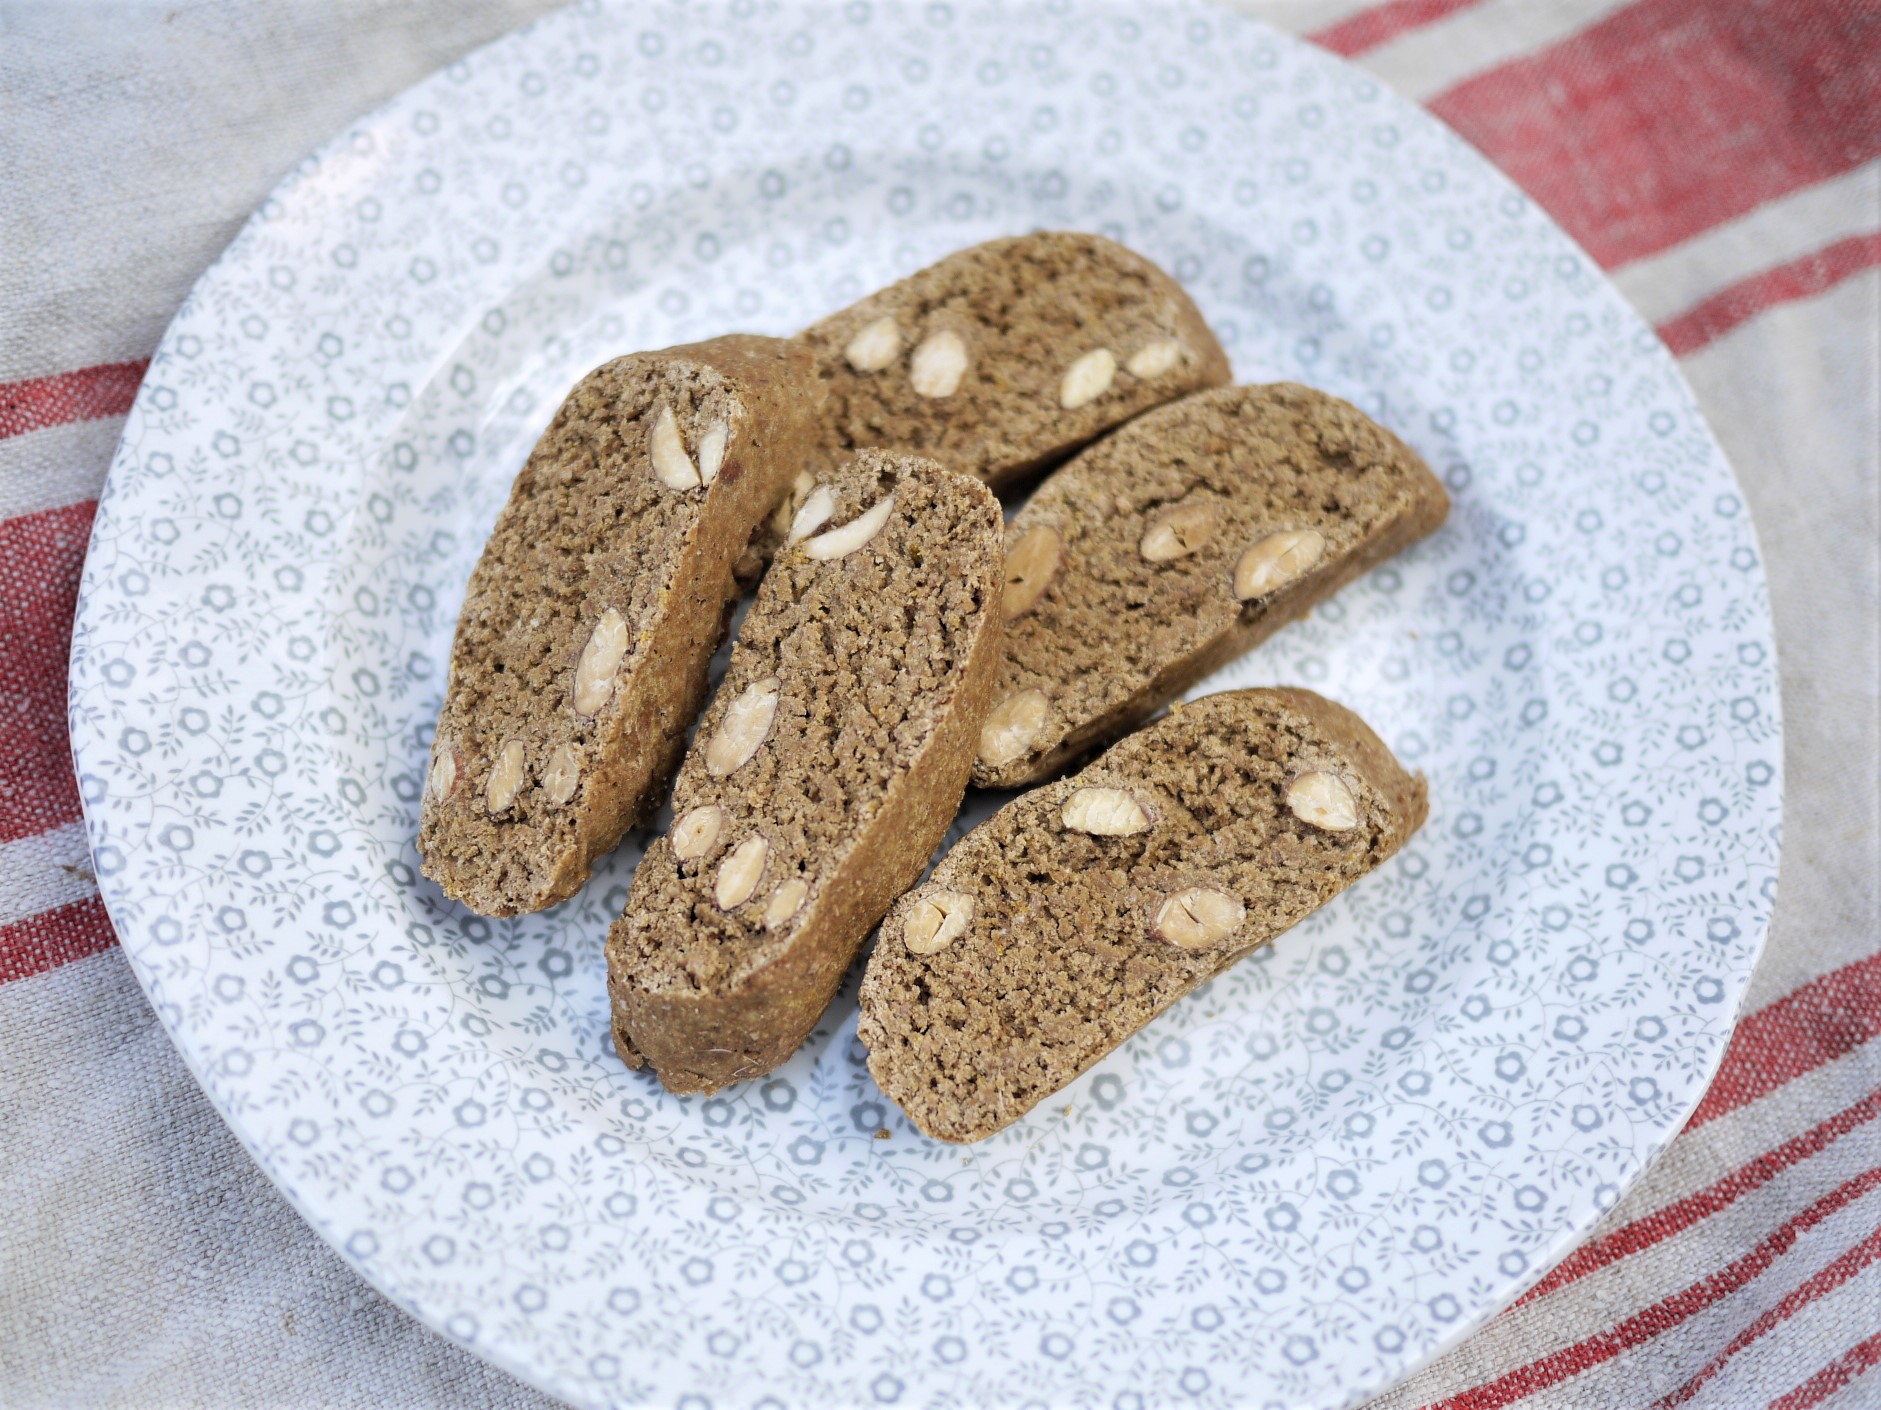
(1663, 1315)
(1799, 279)
(1821, 1283)
(53, 938)
(1672, 116)
(1861, 1357)
(1675, 1218)
(1369, 28)
(1806, 1028)
(84, 395)
(40, 558)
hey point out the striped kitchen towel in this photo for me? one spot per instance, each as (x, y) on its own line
(1721, 158)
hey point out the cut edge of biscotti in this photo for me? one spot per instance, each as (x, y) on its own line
(824, 773)
(1006, 356)
(1083, 909)
(1175, 545)
(580, 655)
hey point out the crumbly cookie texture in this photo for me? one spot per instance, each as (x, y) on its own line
(1007, 356)
(1176, 544)
(1083, 909)
(581, 652)
(823, 774)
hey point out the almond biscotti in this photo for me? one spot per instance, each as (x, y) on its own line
(581, 653)
(1007, 356)
(823, 774)
(1178, 543)
(1083, 909)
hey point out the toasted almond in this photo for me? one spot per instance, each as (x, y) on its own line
(938, 364)
(1178, 531)
(841, 542)
(785, 902)
(746, 725)
(668, 453)
(600, 662)
(1276, 561)
(739, 874)
(1199, 917)
(506, 778)
(1154, 359)
(1031, 563)
(1087, 379)
(1324, 800)
(694, 834)
(788, 507)
(935, 920)
(1105, 812)
(712, 451)
(813, 515)
(875, 345)
(561, 774)
(443, 775)
(1011, 726)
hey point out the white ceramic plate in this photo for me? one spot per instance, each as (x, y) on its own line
(1304, 1180)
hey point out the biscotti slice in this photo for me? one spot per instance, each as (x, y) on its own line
(581, 653)
(1178, 543)
(1005, 357)
(1080, 911)
(823, 775)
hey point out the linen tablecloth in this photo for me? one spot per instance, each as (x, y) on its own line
(1722, 158)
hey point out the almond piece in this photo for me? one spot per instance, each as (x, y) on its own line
(1199, 917)
(1154, 359)
(739, 874)
(668, 452)
(712, 451)
(561, 774)
(813, 514)
(1011, 726)
(1087, 379)
(938, 364)
(1105, 812)
(1031, 563)
(785, 902)
(747, 724)
(1324, 800)
(841, 542)
(694, 834)
(1178, 531)
(1276, 561)
(443, 775)
(875, 345)
(506, 778)
(785, 514)
(600, 662)
(936, 920)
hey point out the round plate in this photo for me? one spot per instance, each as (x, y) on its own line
(1302, 1181)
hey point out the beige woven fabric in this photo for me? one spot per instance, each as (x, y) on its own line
(145, 1262)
